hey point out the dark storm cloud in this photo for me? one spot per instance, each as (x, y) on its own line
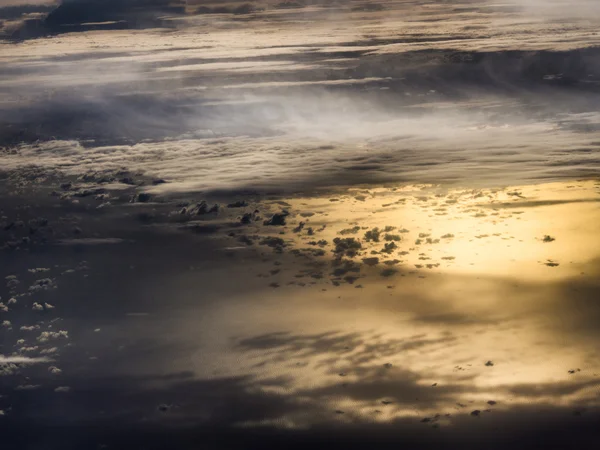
(85, 15)
(81, 11)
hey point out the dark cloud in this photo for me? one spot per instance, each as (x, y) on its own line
(122, 411)
(112, 402)
(72, 12)
(85, 15)
(17, 11)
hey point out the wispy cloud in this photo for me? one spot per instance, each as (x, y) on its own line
(23, 360)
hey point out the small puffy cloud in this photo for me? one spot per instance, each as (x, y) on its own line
(37, 307)
(3, 307)
(6, 324)
(48, 306)
(54, 370)
(8, 369)
(28, 349)
(49, 351)
(38, 269)
(27, 387)
(11, 301)
(29, 327)
(42, 285)
(62, 389)
(46, 336)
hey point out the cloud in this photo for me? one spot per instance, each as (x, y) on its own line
(446, 106)
(22, 360)
(11, 3)
(62, 389)
(46, 336)
(563, 9)
(54, 370)
(36, 19)
(85, 11)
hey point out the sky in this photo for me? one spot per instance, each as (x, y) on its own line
(260, 224)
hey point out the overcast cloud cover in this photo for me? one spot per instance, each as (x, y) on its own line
(360, 86)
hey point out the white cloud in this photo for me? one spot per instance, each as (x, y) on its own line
(49, 351)
(22, 360)
(8, 369)
(46, 336)
(42, 285)
(27, 387)
(54, 370)
(28, 349)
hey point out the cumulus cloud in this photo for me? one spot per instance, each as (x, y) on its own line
(54, 370)
(43, 284)
(46, 336)
(49, 351)
(28, 349)
(8, 369)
